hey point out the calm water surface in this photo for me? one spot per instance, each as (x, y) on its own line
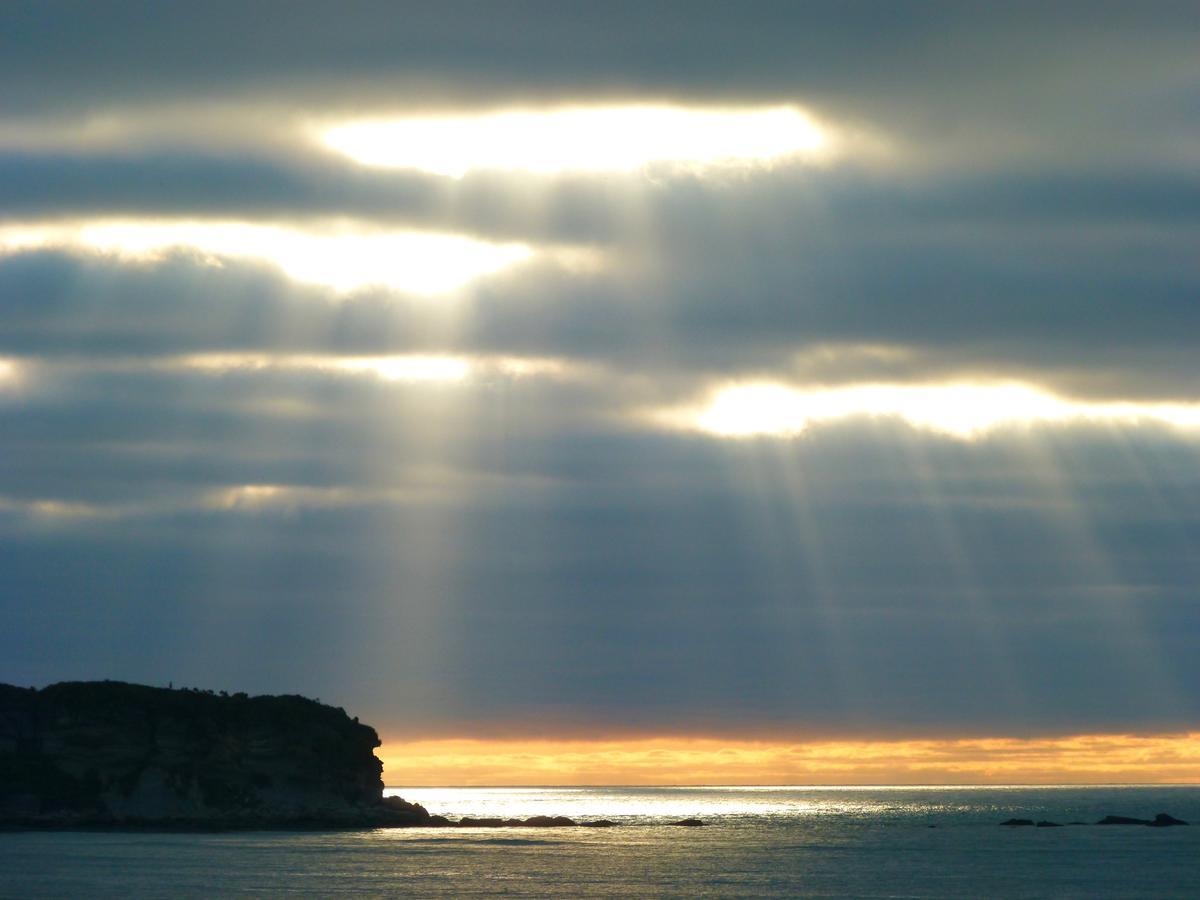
(761, 842)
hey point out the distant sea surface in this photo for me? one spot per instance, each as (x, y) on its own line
(759, 842)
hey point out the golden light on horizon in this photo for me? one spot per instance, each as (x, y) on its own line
(583, 139)
(1085, 759)
(960, 410)
(337, 256)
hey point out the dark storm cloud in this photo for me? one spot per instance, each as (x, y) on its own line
(87, 436)
(947, 85)
(313, 50)
(38, 184)
(314, 186)
(574, 209)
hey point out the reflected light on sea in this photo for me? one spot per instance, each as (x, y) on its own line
(716, 802)
(880, 842)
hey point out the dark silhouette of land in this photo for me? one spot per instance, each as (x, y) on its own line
(109, 753)
(106, 754)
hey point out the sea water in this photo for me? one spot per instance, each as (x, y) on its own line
(759, 842)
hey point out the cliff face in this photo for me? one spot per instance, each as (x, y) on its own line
(113, 752)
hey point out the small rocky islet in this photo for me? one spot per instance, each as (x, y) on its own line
(112, 755)
(1162, 820)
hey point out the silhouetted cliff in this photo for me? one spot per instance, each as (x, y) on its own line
(125, 754)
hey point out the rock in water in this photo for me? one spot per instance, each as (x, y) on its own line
(1162, 820)
(110, 753)
(1014, 823)
(549, 821)
(1122, 820)
(687, 823)
(1045, 824)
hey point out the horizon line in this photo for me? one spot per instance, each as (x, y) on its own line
(810, 786)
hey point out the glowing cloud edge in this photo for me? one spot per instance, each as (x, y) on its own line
(964, 411)
(342, 256)
(580, 139)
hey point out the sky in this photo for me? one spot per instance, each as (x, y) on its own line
(615, 392)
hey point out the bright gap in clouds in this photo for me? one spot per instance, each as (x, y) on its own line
(404, 367)
(599, 139)
(8, 371)
(336, 257)
(962, 411)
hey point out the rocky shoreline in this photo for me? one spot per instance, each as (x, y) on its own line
(113, 756)
(106, 755)
(369, 819)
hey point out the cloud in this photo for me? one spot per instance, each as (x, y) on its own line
(490, 533)
(726, 278)
(223, 463)
(952, 84)
(587, 139)
(961, 410)
(417, 262)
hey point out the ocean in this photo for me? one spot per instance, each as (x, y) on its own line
(759, 842)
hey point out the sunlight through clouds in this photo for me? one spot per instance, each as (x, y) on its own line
(409, 368)
(404, 367)
(264, 497)
(597, 139)
(612, 370)
(9, 373)
(51, 510)
(963, 411)
(338, 257)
